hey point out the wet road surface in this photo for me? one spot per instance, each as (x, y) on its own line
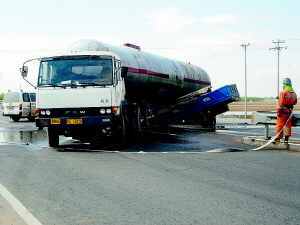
(25, 133)
(162, 179)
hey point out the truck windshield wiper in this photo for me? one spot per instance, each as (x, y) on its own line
(52, 85)
(90, 84)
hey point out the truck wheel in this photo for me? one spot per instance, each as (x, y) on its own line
(15, 118)
(122, 132)
(136, 119)
(212, 124)
(53, 138)
(119, 134)
(30, 118)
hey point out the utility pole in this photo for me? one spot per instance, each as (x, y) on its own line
(245, 48)
(278, 48)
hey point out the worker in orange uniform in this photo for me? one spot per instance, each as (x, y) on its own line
(287, 100)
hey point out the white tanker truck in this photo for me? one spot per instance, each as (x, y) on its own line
(95, 89)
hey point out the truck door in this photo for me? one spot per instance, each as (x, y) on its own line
(32, 103)
(119, 88)
(26, 105)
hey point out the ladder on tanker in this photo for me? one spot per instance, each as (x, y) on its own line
(202, 100)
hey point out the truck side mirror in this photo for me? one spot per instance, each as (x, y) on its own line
(124, 71)
(24, 71)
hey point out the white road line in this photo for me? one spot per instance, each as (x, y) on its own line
(3, 121)
(235, 132)
(170, 152)
(18, 207)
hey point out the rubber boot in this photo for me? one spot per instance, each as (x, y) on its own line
(286, 139)
(277, 140)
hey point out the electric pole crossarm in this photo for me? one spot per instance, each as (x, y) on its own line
(278, 48)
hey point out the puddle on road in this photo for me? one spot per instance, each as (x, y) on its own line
(34, 140)
(221, 150)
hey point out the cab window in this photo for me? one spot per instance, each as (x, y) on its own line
(26, 97)
(33, 97)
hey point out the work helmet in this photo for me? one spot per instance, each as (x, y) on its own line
(287, 81)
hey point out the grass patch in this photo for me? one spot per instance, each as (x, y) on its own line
(252, 99)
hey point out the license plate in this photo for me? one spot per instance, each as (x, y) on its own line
(74, 121)
(55, 121)
(105, 120)
(44, 122)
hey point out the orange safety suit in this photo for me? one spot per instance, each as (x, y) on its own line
(286, 102)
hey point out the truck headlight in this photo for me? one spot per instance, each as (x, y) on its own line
(102, 111)
(43, 112)
(48, 112)
(108, 111)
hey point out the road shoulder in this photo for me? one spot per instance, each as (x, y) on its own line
(8, 214)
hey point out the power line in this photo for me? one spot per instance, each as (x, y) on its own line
(217, 54)
(290, 68)
(257, 46)
(190, 47)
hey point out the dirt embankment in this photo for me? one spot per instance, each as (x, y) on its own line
(265, 105)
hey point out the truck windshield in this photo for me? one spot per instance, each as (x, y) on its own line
(62, 72)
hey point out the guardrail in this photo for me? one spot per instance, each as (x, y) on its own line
(270, 118)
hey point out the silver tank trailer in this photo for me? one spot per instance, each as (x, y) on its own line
(151, 74)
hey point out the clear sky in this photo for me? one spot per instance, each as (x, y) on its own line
(204, 33)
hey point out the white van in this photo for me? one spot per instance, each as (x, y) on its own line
(19, 105)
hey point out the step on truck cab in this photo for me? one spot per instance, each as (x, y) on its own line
(19, 105)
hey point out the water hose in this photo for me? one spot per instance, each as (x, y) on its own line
(269, 142)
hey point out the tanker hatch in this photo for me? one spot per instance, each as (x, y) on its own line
(132, 46)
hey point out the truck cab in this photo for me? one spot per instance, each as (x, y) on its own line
(79, 94)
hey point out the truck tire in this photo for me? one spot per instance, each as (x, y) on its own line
(136, 119)
(53, 137)
(30, 118)
(119, 131)
(119, 134)
(212, 124)
(15, 118)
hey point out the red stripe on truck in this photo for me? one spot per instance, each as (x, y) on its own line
(166, 76)
(148, 72)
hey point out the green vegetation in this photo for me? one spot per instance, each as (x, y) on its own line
(252, 99)
(1, 96)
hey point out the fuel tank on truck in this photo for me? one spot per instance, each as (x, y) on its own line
(151, 76)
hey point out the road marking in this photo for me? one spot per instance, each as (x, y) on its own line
(3, 121)
(235, 132)
(18, 207)
(169, 152)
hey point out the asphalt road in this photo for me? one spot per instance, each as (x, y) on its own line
(161, 179)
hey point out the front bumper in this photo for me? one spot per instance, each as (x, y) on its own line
(74, 121)
(11, 114)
